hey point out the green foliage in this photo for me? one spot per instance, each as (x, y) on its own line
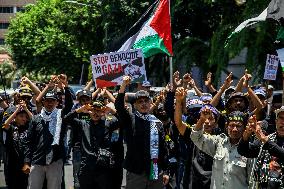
(259, 39)
(8, 71)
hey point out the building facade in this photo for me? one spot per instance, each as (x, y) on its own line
(8, 9)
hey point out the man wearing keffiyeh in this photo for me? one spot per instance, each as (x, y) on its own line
(44, 144)
(146, 157)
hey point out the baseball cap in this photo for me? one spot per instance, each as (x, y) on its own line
(230, 90)
(25, 91)
(260, 92)
(141, 94)
(85, 93)
(50, 95)
(237, 95)
(206, 97)
(146, 84)
(270, 87)
(279, 111)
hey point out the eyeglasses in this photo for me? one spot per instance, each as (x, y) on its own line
(233, 125)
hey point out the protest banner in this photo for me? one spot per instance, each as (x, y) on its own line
(271, 67)
(109, 68)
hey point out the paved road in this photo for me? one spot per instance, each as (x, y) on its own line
(68, 178)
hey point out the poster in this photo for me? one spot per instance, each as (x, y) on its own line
(109, 68)
(271, 67)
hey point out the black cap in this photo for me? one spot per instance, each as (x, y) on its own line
(51, 95)
(85, 93)
(141, 94)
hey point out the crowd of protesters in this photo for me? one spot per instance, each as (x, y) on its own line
(178, 138)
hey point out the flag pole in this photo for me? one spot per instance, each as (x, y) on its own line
(171, 70)
(171, 58)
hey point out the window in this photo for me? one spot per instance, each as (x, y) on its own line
(2, 41)
(6, 9)
(20, 9)
(4, 25)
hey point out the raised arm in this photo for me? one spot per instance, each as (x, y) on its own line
(33, 87)
(159, 99)
(89, 85)
(96, 92)
(208, 83)
(226, 85)
(193, 85)
(68, 102)
(109, 96)
(123, 114)
(246, 148)
(21, 106)
(10, 119)
(179, 95)
(243, 82)
(205, 142)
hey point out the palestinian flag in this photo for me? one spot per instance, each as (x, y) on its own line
(275, 11)
(154, 36)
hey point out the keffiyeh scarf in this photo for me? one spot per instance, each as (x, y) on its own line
(154, 143)
(55, 121)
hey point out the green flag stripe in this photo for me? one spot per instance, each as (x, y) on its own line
(151, 45)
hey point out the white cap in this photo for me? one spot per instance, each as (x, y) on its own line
(270, 87)
(146, 84)
(279, 111)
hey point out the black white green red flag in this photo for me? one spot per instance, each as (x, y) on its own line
(155, 34)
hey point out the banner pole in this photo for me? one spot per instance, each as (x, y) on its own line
(82, 73)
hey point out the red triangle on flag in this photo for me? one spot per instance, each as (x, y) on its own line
(103, 83)
(161, 23)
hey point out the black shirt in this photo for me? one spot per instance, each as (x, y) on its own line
(94, 136)
(137, 137)
(38, 148)
(14, 145)
(275, 149)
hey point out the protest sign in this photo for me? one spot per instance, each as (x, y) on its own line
(280, 53)
(271, 67)
(109, 68)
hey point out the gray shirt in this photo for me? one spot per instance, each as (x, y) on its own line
(230, 170)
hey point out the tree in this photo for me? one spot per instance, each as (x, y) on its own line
(7, 67)
(55, 36)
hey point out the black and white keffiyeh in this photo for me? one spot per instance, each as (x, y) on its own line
(55, 121)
